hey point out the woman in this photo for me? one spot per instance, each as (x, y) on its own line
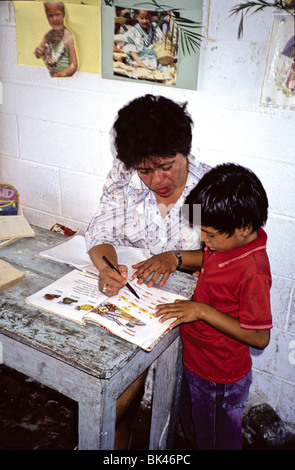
(141, 206)
(145, 191)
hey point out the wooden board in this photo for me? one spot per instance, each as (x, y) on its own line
(9, 276)
(14, 226)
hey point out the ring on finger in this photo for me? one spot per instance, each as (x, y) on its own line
(105, 288)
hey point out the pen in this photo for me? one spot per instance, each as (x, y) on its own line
(113, 267)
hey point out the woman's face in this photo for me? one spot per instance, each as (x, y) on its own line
(164, 175)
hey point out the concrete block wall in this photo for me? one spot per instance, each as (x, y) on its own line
(55, 147)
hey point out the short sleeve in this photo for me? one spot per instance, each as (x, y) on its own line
(107, 224)
(255, 307)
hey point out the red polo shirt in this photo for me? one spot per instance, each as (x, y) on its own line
(236, 282)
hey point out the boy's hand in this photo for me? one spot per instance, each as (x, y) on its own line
(185, 311)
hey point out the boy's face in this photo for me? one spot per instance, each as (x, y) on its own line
(221, 242)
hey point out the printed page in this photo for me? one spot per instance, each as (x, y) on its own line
(71, 296)
(76, 297)
(133, 319)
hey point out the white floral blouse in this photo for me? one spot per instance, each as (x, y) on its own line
(128, 214)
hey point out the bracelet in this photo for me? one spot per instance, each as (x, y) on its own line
(179, 258)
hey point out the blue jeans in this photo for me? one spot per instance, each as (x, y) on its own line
(217, 411)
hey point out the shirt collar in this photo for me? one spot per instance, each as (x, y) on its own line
(243, 251)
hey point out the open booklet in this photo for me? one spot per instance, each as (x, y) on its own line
(73, 252)
(75, 296)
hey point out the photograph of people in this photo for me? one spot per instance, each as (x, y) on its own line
(142, 49)
(289, 51)
(57, 48)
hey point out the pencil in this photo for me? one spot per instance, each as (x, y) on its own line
(127, 285)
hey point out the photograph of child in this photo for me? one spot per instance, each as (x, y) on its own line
(142, 49)
(57, 48)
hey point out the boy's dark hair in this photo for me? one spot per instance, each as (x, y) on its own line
(231, 197)
(151, 126)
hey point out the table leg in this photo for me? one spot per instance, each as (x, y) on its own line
(97, 422)
(166, 396)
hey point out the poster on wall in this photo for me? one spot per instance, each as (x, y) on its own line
(279, 81)
(62, 36)
(152, 43)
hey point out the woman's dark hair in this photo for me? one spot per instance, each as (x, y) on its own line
(151, 126)
(231, 197)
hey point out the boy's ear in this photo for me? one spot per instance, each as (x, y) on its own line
(245, 231)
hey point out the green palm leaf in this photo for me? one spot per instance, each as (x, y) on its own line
(244, 9)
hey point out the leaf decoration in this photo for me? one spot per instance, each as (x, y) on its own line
(244, 9)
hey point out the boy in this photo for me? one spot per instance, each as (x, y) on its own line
(230, 309)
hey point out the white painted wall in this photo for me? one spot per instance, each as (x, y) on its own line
(55, 148)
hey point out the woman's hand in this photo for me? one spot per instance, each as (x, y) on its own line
(162, 264)
(184, 311)
(110, 282)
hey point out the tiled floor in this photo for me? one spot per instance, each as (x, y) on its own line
(34, 417)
